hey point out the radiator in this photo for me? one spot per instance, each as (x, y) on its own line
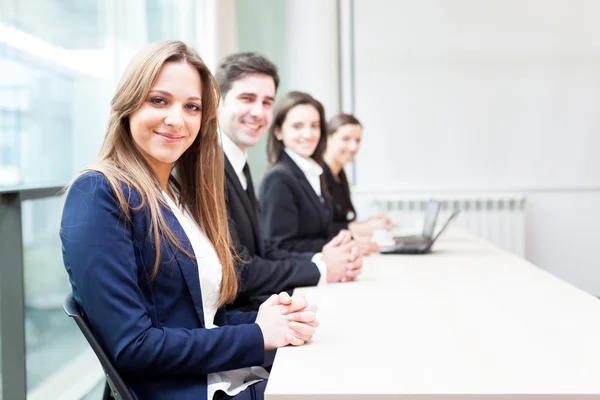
(499, 219)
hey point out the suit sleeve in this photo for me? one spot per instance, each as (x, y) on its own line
(279, 216)
(100, 257)
(260, 276)
(337, 226)
(272, 252)
(239, 318)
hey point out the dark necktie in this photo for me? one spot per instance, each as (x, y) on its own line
(249, 185)
(254, 203)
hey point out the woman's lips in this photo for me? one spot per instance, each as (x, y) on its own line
(169, 137)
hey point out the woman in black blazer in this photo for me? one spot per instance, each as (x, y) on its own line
(344, 133)
(294, 211)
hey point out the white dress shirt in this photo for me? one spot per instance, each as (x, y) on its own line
(210, 273)
(237, 158)
(311, 169)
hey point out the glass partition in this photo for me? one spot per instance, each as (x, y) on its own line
(52, 340)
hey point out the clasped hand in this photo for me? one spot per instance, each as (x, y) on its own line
(343, 258)
(286, 320)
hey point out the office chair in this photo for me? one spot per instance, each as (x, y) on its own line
(115, 387)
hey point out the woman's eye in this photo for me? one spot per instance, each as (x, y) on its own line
(193, 107)
(158, 100)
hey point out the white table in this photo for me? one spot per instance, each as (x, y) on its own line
(467, 321)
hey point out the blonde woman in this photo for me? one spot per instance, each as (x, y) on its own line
(147, 248)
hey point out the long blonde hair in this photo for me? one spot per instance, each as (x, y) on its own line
(199, 176)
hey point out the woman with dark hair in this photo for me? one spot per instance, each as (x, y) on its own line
(294, 211)
(344, 135)
(146, 243)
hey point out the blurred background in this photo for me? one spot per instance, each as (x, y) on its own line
(489, 106)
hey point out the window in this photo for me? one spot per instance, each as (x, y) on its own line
(60, 63)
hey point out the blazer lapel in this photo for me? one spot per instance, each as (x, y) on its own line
(242, 196)
(187, 265)
(308, 189)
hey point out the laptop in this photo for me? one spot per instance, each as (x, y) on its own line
(417, 246)
(431, 215)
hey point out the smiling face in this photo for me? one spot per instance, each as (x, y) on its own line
(301, 130)
(246, 112)
(169, 119)
(344, 143)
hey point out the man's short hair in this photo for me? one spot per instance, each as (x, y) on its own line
(235, 66)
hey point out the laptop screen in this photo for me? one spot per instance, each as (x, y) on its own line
(433, 208)
(454, 214)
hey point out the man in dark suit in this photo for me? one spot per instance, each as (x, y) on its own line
(248, 82)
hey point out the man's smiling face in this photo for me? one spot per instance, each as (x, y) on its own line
(246, 111)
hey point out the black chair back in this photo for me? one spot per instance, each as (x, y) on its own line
(115, 386)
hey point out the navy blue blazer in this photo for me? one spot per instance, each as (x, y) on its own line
(292, 216)
(153, 330)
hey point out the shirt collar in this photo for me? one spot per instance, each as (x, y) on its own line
(309, 166)
(236, 156)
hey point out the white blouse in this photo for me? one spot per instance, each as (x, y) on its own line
(312, 170)
(210, 273)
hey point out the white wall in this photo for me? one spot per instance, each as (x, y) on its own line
(499, 94)
(563, 232)
(311, 39)
(495, 95)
